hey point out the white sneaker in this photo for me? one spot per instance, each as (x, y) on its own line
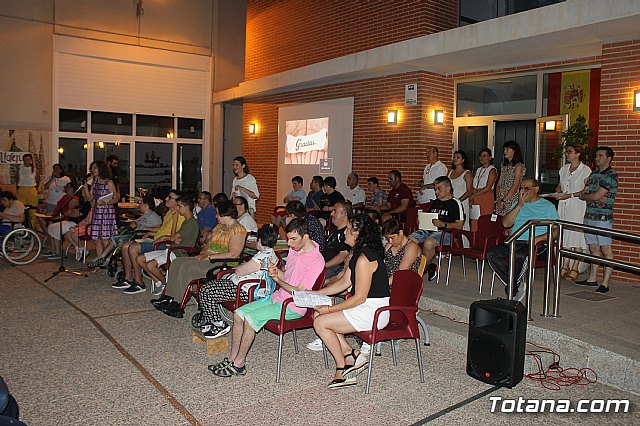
(316, 345)
(365, 348)
(157, 288)
(79, 253)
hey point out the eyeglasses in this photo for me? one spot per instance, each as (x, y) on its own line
(239, 204)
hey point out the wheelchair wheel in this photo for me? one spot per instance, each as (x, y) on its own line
(21, 246)
(196, 320)
(112, 270)
(120, 275)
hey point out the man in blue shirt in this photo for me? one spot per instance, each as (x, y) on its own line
(530, 206)
(206, 217)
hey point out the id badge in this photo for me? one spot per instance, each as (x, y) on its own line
(494, 217)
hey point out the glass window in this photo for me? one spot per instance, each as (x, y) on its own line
(111, 123)
(72, 120)
(190, 128)
(190, 168)
(514, 95)
(153, 167)
(152, 125)
(73, 158)
(102, 150)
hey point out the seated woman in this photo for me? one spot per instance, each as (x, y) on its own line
(400, 253)
(75, 232)
(226, 242)
(217, 291)
(245, 219)
(13, 212)
(367, 276)
(68, 204)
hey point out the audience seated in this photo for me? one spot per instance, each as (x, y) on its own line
(313, 197)
(378, 198)
(215, 292)
(68, 204)
(131, 249)
(206, 214)
(450, 216)
(355, 193)
(296, 194)
(399, 200)
(245, 219)
(316, 231)
(226, 242)
(186, 236)
(366, 274)
(13, 212)
(304, 265)
(329, 199)
(400, 252)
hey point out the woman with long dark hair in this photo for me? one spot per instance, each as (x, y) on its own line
(461, 182)
(482, 199)
(366, 274)
(103, 224)
(244, 184)
(511, 174)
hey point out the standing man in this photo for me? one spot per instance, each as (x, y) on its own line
(434, 169)
(355, 193)
(113, 161)
(600, 193)
(400, 198)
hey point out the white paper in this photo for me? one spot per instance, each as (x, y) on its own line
(474, 214)
(106, 198)
(553, 195)
(310, 299)
(425, 221)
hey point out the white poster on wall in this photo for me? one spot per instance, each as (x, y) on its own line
(410, 94)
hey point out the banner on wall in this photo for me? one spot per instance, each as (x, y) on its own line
(575, 94)
(8, 157)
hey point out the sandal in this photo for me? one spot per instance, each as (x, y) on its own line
(231, 370)
(96, 262)
(360, 365)
(219, 366)
(564, 271)
(572, 275)
(352, 355)
(341, 383)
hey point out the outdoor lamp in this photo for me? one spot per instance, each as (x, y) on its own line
(392, 116)
(438, 117)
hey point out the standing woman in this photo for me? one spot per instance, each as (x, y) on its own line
(483, 184)
(55, 187)
(244, 184)
(27, 184)
(511, 174)
(573, 176)
(461, 182)
(103, 224)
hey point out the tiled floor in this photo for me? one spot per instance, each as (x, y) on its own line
(76, 351)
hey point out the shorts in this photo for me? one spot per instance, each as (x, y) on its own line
(420, 236)
(147, 245)
(119, 239)
(159, 256)
(54, 228)
(258, 313)
(595, 239)
(361, 316)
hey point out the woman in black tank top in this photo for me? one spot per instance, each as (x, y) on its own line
(366, 274)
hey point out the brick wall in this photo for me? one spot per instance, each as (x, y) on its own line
(620, 129)
(377, 146)
(287, 34)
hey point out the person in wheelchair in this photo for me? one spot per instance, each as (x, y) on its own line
(226, 242)
(214, 292)
(151, 261)
(12, 214)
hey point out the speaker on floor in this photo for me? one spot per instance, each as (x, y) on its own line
(497, 337)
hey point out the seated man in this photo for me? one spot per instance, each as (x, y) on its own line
(304, 265)
(206, 214)
(450, 216)
(329, 199)
(530, 206)
(336, 249)
(313, 197)
(131, 249)
(355, 193)
(296, 194)
(378, 198)
(316, 231)
(399, 200)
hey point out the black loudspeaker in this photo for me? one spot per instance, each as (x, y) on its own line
(497, 337)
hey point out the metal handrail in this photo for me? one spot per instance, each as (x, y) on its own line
(555, 246)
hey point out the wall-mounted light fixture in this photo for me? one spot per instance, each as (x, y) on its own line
(61, 150)
(101, 145)
(438, 117)
(550, 126)
(636, 100)
(252, 128)
(392, 116)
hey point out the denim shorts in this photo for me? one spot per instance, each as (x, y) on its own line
(595, 239)
(420, 236)
(147, 246)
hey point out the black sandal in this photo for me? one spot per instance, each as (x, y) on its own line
(352, 355)
(341, 383)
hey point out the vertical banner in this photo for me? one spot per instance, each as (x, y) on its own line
(575, 92)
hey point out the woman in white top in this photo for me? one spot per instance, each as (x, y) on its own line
(483, 184)
(244, 184)
(27, 182)
(55, 188)
(461, 182)
(573, 177)
(244, 217)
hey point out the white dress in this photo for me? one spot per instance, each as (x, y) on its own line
(459, 188)
(572, 209)
(250, 183)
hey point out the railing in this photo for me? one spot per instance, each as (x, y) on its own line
(555, 247)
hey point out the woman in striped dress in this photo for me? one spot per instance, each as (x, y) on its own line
(103, 224)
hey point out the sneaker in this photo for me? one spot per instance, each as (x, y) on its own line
(205, 328)
(122, 284)
(157, 288)
(602, 289)
(135, 288)
(217, 331)
(160, 302)
(365, 348)
(79, 254)
(316, 345)
(587, 283)
(432, 271)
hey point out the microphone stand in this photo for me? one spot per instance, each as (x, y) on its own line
(62, 268)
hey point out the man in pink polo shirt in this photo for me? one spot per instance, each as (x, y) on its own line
(304, 265)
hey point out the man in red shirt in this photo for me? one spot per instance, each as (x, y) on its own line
(400, 197)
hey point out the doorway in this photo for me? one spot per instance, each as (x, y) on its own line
(521, 131)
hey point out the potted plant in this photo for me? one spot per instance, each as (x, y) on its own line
(578, 134)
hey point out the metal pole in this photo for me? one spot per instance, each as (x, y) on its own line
(512, 267)
(556, 301)
(531, 262)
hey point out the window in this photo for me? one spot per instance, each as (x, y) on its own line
(155, 126)
(153, 167)
(473, 11)
(189, 128)
(190, 168)
(102, 150)
(514, 95)
(73, 158)
(111, 123)
(72, 120)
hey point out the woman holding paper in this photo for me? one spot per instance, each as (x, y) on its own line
(571, 208)
(482, 199)
(366, 274)
(101, 190)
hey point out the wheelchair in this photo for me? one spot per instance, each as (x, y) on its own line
(22, 245)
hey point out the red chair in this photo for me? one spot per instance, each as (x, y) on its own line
(490, 233)
(403, 308)
(281, 326)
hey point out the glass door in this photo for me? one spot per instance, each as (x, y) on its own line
(549, 154)
(471, 139)
(102, 150)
